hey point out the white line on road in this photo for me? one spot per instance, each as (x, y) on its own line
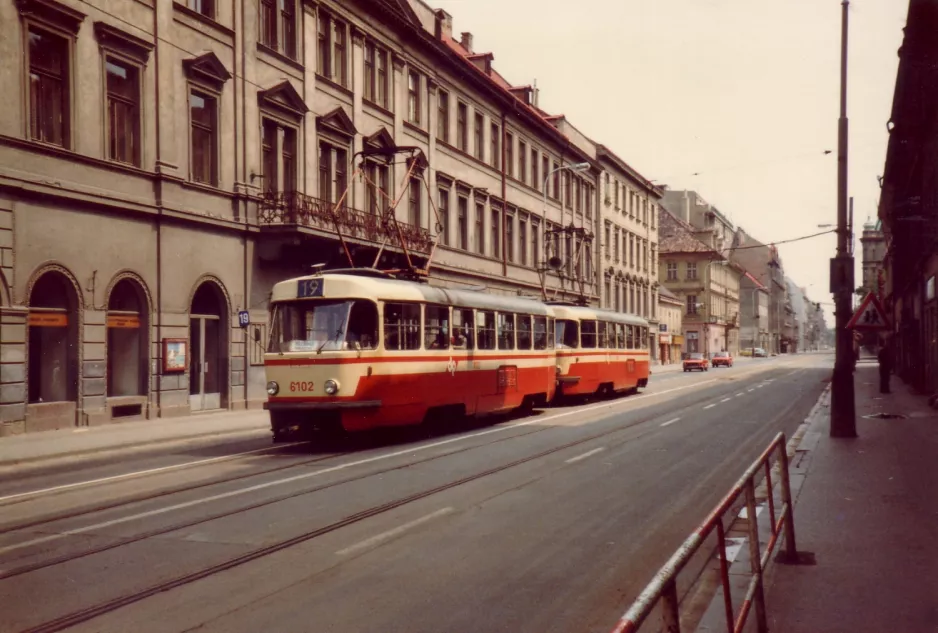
(725, 399)
(336, 468)
(740, 394)
(670, 422)
(710, 406)
(385, 536)
(585, 455)
(139, 473)
(750, 390)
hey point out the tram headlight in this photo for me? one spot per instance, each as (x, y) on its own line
(273, 388)
(331, 387)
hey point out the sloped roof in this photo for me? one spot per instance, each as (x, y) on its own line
(677, 236)
(663, 292)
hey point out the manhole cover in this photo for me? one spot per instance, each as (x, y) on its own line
(885, 416)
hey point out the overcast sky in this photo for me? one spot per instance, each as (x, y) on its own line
(736, 99)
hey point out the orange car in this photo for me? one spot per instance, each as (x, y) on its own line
(722, 359)
(696, 361)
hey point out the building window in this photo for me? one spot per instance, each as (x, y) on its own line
(496, 155)
(480, 228)
(556, 184)
(496, 233)
(522, 161)
(413, 210)
(278, 156)
(205, 7)
(545, 171)
(413, 97)
(49, 70)
(203, 117)
(608, 293)
(631, 251)
(377, 187)
(278, 26)
(588, 202)
(615, 245)
(672, 271)
(376, 75)
(535, 175)
(333, 50)
(608, 235)
(510, 237)
(444, 217)
(578, 194)
(480, 135)
(654, 259)
(442, 117)
(123, 111)
(333, 172)
(535, 229)
(692, 270)
(567, 189)
(462, 129)
(691, 304)
(523, 241)
(509, 154)
(462, 223)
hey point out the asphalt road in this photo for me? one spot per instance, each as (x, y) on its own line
(551, 522)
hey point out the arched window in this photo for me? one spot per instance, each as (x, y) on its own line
(127, 340)
(53, 340)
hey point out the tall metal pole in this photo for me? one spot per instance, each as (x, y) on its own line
(843, 407)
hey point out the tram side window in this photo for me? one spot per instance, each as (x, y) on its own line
(401, 326)
(524, 331)
(643, 338)
(486, 330)
(600, 334)
(588, 334)
(550, 333)
(463, 332)
(620, 336)
(568, 334)
(506, 331)
(631, 336)
(436, 327)
(540, 333)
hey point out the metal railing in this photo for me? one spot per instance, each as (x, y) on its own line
(295, 208)
(663, 587)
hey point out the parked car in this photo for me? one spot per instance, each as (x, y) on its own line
(696, 361)
(759, 353)
(722, 359)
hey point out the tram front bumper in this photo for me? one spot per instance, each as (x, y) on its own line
(321, 406)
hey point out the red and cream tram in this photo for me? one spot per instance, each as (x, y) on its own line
(360, 350)
(599, 351)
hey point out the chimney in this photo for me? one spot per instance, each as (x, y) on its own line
(444, 25)
(465, 39)
(685, 207)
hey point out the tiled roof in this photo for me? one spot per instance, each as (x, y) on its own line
(677, 236)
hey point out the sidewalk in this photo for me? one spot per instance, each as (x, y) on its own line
(33, 448)
(868, 511)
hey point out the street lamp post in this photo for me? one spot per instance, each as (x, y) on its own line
(843, 407)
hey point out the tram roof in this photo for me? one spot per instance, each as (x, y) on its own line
(585, 312)
(345, 286)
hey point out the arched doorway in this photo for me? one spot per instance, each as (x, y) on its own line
(53, 342)
(127, 345)
(208, 340)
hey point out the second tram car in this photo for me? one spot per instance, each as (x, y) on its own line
(356, 351)
(599, 351)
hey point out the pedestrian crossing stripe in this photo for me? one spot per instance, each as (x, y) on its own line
(870, 315)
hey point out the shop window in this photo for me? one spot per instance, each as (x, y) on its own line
(53, 340)
(127, 340)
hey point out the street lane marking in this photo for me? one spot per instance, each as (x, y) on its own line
(140, 473)
(385, 536)
(333, 469)
(710, 406)
(670, 422)
(750, 390)
(725, 399)
(740, 394)
(585, 455)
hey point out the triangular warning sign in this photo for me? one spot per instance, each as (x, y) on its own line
(870, 315)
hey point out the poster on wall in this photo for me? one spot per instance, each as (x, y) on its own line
(174, 354)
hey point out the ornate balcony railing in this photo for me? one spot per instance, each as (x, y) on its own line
(287, 208)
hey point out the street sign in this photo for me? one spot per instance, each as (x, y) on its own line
(244, 318)
(870, 315)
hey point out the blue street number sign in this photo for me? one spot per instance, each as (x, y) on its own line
(244, 318)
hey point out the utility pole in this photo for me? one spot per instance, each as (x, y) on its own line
(843, 407)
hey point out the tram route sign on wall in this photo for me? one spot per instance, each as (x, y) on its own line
(244, 318)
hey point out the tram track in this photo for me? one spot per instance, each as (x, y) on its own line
(107, 606)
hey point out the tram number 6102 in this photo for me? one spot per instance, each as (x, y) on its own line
(301, 386)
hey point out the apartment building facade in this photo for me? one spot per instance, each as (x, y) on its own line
(163, 164)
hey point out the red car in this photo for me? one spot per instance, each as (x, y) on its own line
(722, 358)
(696, 361)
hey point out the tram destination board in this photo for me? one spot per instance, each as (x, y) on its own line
(308, 288)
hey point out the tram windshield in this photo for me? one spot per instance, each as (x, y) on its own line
(323, 326)
(568, 334)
